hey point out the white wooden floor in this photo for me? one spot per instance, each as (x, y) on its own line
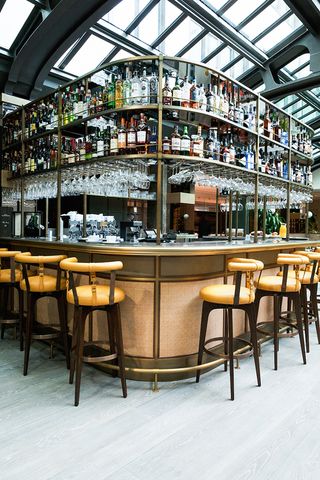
(186, 431)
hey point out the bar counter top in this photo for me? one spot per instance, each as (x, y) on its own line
(185, 249)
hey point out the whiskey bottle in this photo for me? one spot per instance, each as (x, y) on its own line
(194, 94)
(210, 98)
(197, 143)
(185, 93)
(131, 137)
(166, 145)
(176, 93)
(142, 130)
(122, 138)
(166, 92)
(175, 141)
(114, 148)
(267, 123)
(185, 142)
(119, 92)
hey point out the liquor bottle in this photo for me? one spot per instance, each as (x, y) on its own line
(114, 149)
(309, 177)
(126, 88)
(209, 144)
(210, 98)
(276, 127)
(107, 140)
(225, 103)
(232, 151)
(285, 170)
(111, 93)
(197, 143)
(166, 145)
(119, 92)
(131, 137)
(272, 165)
(231, 113)
(153, 141)
(88, 148)
(142, 130)
(185, 142)
(213, 145)
(145, 88)
(176, 141)
(279, 165)
(154, 87)
(202, 98)
(194, 94)
(122, 138)
(266, 123)
(166, 92)
(225, 153)
(176, 93)
(298, 174)
(251, 117)
(135, 89)
(185, 93)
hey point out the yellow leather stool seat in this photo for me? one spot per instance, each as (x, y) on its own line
(5, 275)
(273, 283)
(95, 295)
(304, 277)
(224, 294)
(45, 283)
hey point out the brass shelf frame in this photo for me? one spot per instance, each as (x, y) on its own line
(164, 63)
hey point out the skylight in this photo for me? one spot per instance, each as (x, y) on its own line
(201, 50)
(157, 20)
(223, 58)
(279, 33)
(297, 62)
(265, 19)
(239, 68)
(88, 57)
(182, 35)
(215, 4)
(125, 12)
(241, 10)
(13, 16)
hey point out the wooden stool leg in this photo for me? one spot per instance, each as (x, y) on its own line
(276, 313)
(79, 354)
(297, 308)
(231, 366)
(254, 340)
(5, 308)
(21, 318)
(303, 293)
(64, 326)
(31, 301)
(314, 305)
(206, 308)
(75, 341)
(225, 337)
(118, 330)
(112, 340)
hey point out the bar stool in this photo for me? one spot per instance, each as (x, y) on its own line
(9, 279)
(228, 298)
(86, 299)
(38, 286)
(280, 287)
(309, 280)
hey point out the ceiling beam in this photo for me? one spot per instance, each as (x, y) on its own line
(308, 12)
(293, 87)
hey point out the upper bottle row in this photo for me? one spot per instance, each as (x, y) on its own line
(148, 83)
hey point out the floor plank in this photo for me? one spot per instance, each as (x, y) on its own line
(186, 430)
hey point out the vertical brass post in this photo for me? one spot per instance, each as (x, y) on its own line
(84, 225)
(256, 183)
(59, 235)
(23, 125)
(264, 216)
(217, 211)
(289, 178)
(159, 155)
(230, 215)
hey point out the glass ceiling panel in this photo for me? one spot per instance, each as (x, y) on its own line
(88, 57)
(13, 16)
(303, 73)
(259, 89)
(121, 54)
(123, 14)
(160, 17)
(182, 35)
(316, 91)
(279, 33)
(265, 19)
(295, 106)
(304, 111)
(310, 117)
(284, 101)
(56, 65)
(223, 58)
(241, 10)
(297, 62)
(239, 68)
(201, 50)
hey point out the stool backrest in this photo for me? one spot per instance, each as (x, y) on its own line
(313, 266)
(5, 253)
(245, 266)
(286, 260)
(71, 265)
(26, 259)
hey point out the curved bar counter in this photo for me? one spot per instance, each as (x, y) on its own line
(162, 310)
